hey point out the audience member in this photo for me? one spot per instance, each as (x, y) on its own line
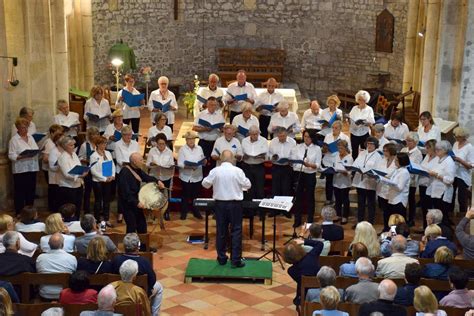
(89, 225)
(326, 277)
(7, 224)
(29, 221)
(465, 239)
(106, 300)
(127, 292)
(315, 231)
(56, 260)
(330, 297)
(384, 304)
(425, 302)
(435, 216)
(393, 267)
(365, 290)
(366, 234)
(460, 296)
(433, 240)
(79, 291)
(7, 286)
(68, 212)
(412, 278)
(348, 269)
(413, 246)
(331, 231)
(54, 224)
(443, 259)
(6, 306)
(11, 261)
(97, 260)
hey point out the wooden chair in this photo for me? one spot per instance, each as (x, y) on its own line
(340, 247)
(351, 309)
(117, 238)
(334, 261)
(33, 309)
(72, 309)
(33, 237)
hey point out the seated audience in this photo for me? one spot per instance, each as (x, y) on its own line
(106, 300)
(79, 291)
(127, 292)
(348, 269)
(54, 224)
(384, 304)
(131, 243)
(460, 296)
(443, 260)
(433, 240)
(68, 212)
(6, 306)
(435, 216)
(392, 223)
(331, 231)
(425, 302)
(315, 234)
(302, 263)
(412, 278)
(465, 239)
(7, 224)
(365, 290)
(366, 234)
(413, 246)
(326, 277)
(89, 225)
(7, 286)
(393, 267)
(11, 261)
(330, 297)
(97, 260)
(56, 260)
(29, 221)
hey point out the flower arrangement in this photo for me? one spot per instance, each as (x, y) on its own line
(190, 97)
(146, 72)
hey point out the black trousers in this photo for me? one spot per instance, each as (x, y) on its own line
(383, 204)
(207, 147)
(411, 204)
(232, 115)
(72, 195)
(365, 198)
(329, 187)
(445, 207)
(398, 209)
(134, 219)
(102, 192)
(228, 213)
(256, 175)
(342, 204)
(282, 177)
(170, 126)
(134, 122)
(87, 193)
(24, 185)
(191, 190)
(53, 198)
(425, 202)
(357, 141)
(264, 121)
(115, 191)
(304, 192)
(462, 189)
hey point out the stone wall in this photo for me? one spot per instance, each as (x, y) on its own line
(329, 44)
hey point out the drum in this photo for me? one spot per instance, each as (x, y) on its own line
(152, 197)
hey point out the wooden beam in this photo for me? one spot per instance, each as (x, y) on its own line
(176, 9)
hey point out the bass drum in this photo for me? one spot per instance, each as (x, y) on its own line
(152, 197)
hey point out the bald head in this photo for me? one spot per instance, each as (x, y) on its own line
(315, 107)
(56, 241)
(387, 290)
(227, 156)
(106, 298)
(136, 160)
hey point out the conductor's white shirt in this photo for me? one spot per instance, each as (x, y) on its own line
(228, 182)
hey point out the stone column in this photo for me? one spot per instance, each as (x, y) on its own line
(88, 44)
(466, 102)
(60, 53)
(410, 44)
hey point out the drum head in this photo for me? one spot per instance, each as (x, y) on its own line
(151, 196)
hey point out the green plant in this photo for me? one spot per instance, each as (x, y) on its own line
(190, 97)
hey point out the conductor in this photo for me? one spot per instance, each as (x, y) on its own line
(228, 182)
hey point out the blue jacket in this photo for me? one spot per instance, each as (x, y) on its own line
(432, 245)
(435, 271)
(144, 267)
(348, 270)
(412, 250)
(405, 294)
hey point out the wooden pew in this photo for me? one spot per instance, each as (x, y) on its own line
(117, 238)
(71, 309)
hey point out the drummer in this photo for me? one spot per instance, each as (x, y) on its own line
(130, 179)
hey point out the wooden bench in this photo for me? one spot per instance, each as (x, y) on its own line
(71, 309)
(259, 64)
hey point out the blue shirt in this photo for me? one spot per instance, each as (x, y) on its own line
(348, 270)
(332, 312)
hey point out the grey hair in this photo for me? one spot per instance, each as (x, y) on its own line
(461, 132)
(88, 223)
(338, 122)
(387, 290)
(254, 128)
(106, 298)
(131, 242)
(379, 128)
(399, 244)
(414, 136)
(364, 266)
(61, 102)
(328, 213)
(280, 129)
(246, 106)
(444, 145)
(363, 94)
(326, 276)
(128, 270)
(163, 79)
(63, 141)
(10, 238)
(436, 215)
(213, 75)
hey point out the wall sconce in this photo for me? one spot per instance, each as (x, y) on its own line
(12, 79)
(422, 33)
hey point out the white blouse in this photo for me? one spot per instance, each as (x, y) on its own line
(427, 164)
(366, 161)
(400, 132)
(240, 121)
(128, 112)
(265, 98)
(382, 188)
(282, 150)
(291, 119)
(96, 169)
(84, 154)
(16, 147)
(102, 110)
(206, 93)
(66, 162)
(110, 131)
(153, 131)
(123, 152)
(310, 120)
(327, 114)
(367, 114)
(27, 248)
(443, 188)
(342, 180)
(433, 133)
(165, 162)
(415, 156)
(194, 154)
(54, 173)
(212, 118)
(236, 90)
(465, 153)
(329, 158)
(399, 193)
(71, 119)
(253, 149)
(155, 95)
(48, 146)
(313, 156)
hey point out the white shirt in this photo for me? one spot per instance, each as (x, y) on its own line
(47, 147)
(28, 228)
(465, 153)
(366, 161)
(110, 131)
(313, 156)
(427, 164)
(71, 119)
(327, 114)
(16, 146)
(433, 133)
(155, 95)
(400, 132)
(74, 227)
(236, 90)
(102, 110)
(310, 120)
(123, 152)
(266, 98)
(222, 144)
(342, 180)
(66, 162)
(194, 154)
(382, 142)
(383, 188)
(55, 261)
(96, 169)
(213, 118)
(356, 114)
(128, 112)
(228, 182)
(206, 93)
(239, 120)
(164, 160)
(399, 193)
(31, 129)
(329, 158)
(27, 248)
(282, 150)
(86, 150)
(153, 131)
(415, 156)
(249, 148)
(291, 119)
(437, 188)
(54, 173)
(68, 243)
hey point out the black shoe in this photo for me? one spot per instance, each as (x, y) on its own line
(197, 215)
(222, 262)
(166, 216)
(239, 264)
(182, 217)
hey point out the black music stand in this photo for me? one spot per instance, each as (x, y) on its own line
(276, 255)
